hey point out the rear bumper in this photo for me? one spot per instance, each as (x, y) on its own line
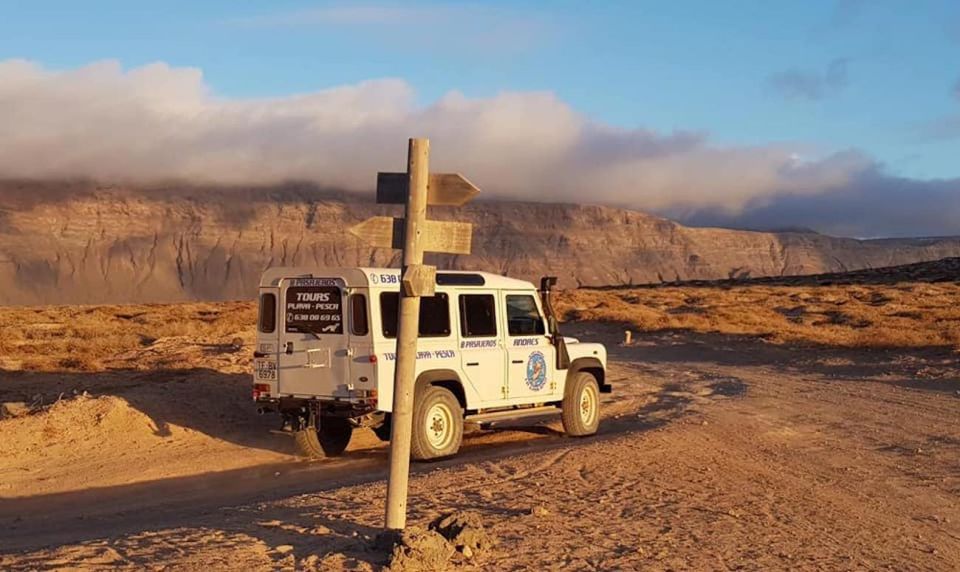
(353, 406)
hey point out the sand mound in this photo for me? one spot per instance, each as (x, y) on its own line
(420, 549)
(79, 422)
(458, 533)
(465, 531)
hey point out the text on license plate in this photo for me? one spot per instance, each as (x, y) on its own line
(266, 369)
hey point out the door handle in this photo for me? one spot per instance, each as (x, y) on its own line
(517, 361)
(289, 347)
(473, 363)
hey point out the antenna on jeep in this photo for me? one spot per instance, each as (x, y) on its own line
(546, 283)
(563, 358)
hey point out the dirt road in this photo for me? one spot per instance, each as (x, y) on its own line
(715, 453)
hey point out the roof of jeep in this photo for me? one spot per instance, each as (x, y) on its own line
(361, 276)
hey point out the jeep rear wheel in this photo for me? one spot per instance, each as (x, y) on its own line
(437, 424)
(581, 405)
(382, 431)
(330, 440)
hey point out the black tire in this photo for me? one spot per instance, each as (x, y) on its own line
(437, 424)
(581, 405)
(330, 440)
(382, 431)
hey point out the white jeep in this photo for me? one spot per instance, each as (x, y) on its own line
(487, 352)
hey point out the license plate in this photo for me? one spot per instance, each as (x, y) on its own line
(266, 369)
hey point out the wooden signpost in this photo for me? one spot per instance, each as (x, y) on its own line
(415, 234)
(440, 236)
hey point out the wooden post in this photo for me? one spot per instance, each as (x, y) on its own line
(415, 234)
(418, 156)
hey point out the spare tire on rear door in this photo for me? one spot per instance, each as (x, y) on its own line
(330, 440)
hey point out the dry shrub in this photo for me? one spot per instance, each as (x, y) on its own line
(854, 316)
(87, 338)
(84, 338)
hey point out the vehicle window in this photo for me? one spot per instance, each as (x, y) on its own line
(268, 313)
(313, 310)
(358, 315)
(478, 318)
(434, 315)
(523, 317)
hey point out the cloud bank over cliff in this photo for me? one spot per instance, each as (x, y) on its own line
(160, 122)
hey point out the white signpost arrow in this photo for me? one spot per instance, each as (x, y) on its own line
(414, 234)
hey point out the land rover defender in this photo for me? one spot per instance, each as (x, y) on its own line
(489, 350)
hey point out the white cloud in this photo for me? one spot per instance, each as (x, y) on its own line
(161, 122)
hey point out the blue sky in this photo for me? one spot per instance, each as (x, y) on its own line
(663, 65)
(812, 88)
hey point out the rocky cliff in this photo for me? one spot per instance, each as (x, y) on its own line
(81, 242)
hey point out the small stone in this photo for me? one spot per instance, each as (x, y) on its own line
(467, 552)
(539, 510)
(13, 409)
(704, 422)
(284, 548)
(276, 474)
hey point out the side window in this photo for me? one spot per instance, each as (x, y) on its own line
(478, 318)
(434, 315)
(523, 317)
(358, 315)
(268, 313)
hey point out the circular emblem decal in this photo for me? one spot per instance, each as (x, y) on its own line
(536, 371)
(373, 278)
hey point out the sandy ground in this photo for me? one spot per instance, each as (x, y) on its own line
(719, 453)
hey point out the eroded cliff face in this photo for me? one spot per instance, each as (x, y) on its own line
(87, 243)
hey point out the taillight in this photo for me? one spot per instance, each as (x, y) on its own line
(373, 358)
(260, 389)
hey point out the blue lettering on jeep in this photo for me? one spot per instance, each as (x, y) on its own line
(526, 342)
(477, 344)
(434, 354)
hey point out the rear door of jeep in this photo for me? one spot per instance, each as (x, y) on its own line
(312, 354)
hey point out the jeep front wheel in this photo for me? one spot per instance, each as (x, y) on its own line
(581, 405)
(437, 424)
(330, 440)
